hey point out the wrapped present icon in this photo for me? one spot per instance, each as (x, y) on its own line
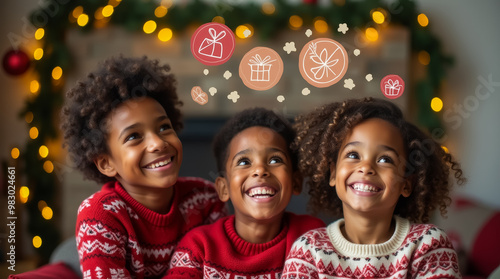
(392, 88)
(260, 69)
(211, 47)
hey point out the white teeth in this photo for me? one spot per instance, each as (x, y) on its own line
(261, 193)
(159, 164)
(364, 188)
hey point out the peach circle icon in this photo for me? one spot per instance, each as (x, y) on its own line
(212, 44)
(261, 68)
(392, 86)
(199, 96)
(323, 62)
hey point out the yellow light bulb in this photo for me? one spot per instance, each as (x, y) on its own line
(219, 19)
(40, 32)
(15, 153)
(47, 213)
(33, 133)
(57, 73)
(24, 193)
(445, 149)
(378, 17)
(423, 20)
(77, 11)
(161, 11)
(424, 58)
(34, 86)
(241, 31)
(43, 151)
(38, 53)
(149, 27)
(82, 20)
(320, 25)
(371, 34)
(98, 14)
(295, 22)
(268, 8)
(48, 167)
(37, 241)
(29, 117)
(436, 104)
(165, 34)
(108, 10)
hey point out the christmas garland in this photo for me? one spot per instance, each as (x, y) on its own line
(56, 18)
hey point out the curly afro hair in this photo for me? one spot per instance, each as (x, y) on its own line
(319, 137)
(246, 119)
(88, 104)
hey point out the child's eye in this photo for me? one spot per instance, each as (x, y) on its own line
(243, 162)
(133, 136)
(165, 127)
(276, 160)
(386, 159)
(352, 155)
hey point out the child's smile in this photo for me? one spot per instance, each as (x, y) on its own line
(368, 175)
(145, 151)
(259, 178)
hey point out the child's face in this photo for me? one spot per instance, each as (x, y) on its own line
(260, 179)
(145, 151)
(369, 172)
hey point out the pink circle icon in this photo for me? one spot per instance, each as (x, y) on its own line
(212, 44)
(392, 86)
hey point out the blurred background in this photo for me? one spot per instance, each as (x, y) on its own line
(444, 49)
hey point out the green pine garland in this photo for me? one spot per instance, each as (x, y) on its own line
(131, 14)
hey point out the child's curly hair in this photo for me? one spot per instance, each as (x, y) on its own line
(319, 137)
(246, 119)
(89, 103)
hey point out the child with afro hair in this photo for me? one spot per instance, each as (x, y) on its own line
(258, 173)
(120, 126)
(384, 177)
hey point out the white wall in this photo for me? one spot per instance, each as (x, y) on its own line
(469, 31)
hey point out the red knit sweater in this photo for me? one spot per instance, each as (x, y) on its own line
(117, 237)
(216, 251)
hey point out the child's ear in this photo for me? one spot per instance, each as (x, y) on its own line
(332, 174)
(105, 166)
(407, 188)
(221, 186)
(297, 180)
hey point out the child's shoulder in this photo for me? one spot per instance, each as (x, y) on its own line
(94, 202)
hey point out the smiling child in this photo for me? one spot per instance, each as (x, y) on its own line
(385, 177)
(120, 126)
(259, 176)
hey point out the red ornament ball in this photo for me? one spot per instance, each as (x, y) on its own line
(16, 62)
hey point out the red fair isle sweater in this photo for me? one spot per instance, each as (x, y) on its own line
(117, 237)
(414, 251)
(216, 251)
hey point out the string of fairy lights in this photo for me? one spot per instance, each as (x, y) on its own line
(166, 20)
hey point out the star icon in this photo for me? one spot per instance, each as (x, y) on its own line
(348, 83)
(343, 28)
(233, 96)
(289, 47)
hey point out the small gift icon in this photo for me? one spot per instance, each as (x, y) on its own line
(211, 47)
(392, 88)
(260, 68)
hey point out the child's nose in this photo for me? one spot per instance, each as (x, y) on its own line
(260, 170)
(156, 143)
(366, 168)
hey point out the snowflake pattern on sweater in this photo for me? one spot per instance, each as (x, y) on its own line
(414, 251)
(117, 237)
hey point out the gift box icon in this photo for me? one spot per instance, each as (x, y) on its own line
(210, 46)
(392, 88)
(260, 69)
